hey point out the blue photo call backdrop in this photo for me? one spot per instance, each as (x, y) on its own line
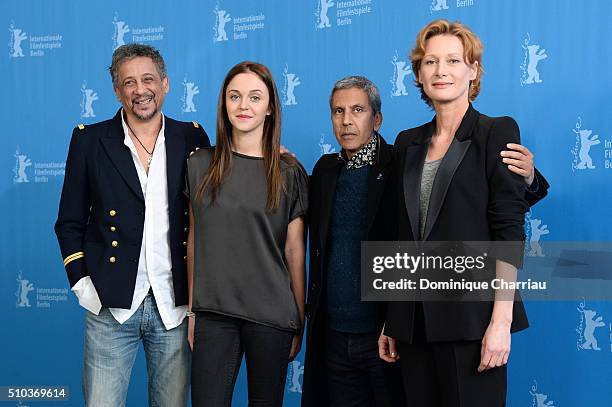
(546, 64)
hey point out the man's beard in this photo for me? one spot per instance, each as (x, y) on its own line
(148, 116)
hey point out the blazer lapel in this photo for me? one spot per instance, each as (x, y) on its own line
(377, 179)
(175, 159)
(444, 175)
(451, 161)
(328, 193)
(414, 157)
(120, 155)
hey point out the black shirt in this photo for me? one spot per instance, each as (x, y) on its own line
(239, 247)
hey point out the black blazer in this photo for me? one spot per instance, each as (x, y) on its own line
(533, 194)
(474, 198)
(381, 226)
(101, 213)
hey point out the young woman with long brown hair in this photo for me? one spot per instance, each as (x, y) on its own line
(245, 246)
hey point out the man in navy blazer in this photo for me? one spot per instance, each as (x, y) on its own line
(122, 228)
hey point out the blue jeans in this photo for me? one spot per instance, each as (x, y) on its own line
(111, 348)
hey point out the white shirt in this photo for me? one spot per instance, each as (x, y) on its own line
(155, 263)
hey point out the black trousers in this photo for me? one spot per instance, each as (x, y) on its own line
(219, 343)
(356, 375)
(445, 375)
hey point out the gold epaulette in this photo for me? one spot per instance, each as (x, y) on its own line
(196, 124)
(81, 126)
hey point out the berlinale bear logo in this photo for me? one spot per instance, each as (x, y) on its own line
(540, 399)
(401, 69)
(291, 82)
(21, 163)
(24, 287)
(533, 55)
(323, 7)
(89, 96)
(222, 17)
(582, 147)
(121, 28)
(190, 89)
(587, 327)
(17, 37)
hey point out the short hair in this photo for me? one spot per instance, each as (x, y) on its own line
(360, 82)
(128, 52)
(472, 51)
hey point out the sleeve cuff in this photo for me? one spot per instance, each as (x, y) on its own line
(533, 188)
(87, 295)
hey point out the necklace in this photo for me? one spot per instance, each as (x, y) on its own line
(150, 157)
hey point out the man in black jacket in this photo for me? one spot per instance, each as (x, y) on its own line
(122, 230)
(342, 366)
(352, 199)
